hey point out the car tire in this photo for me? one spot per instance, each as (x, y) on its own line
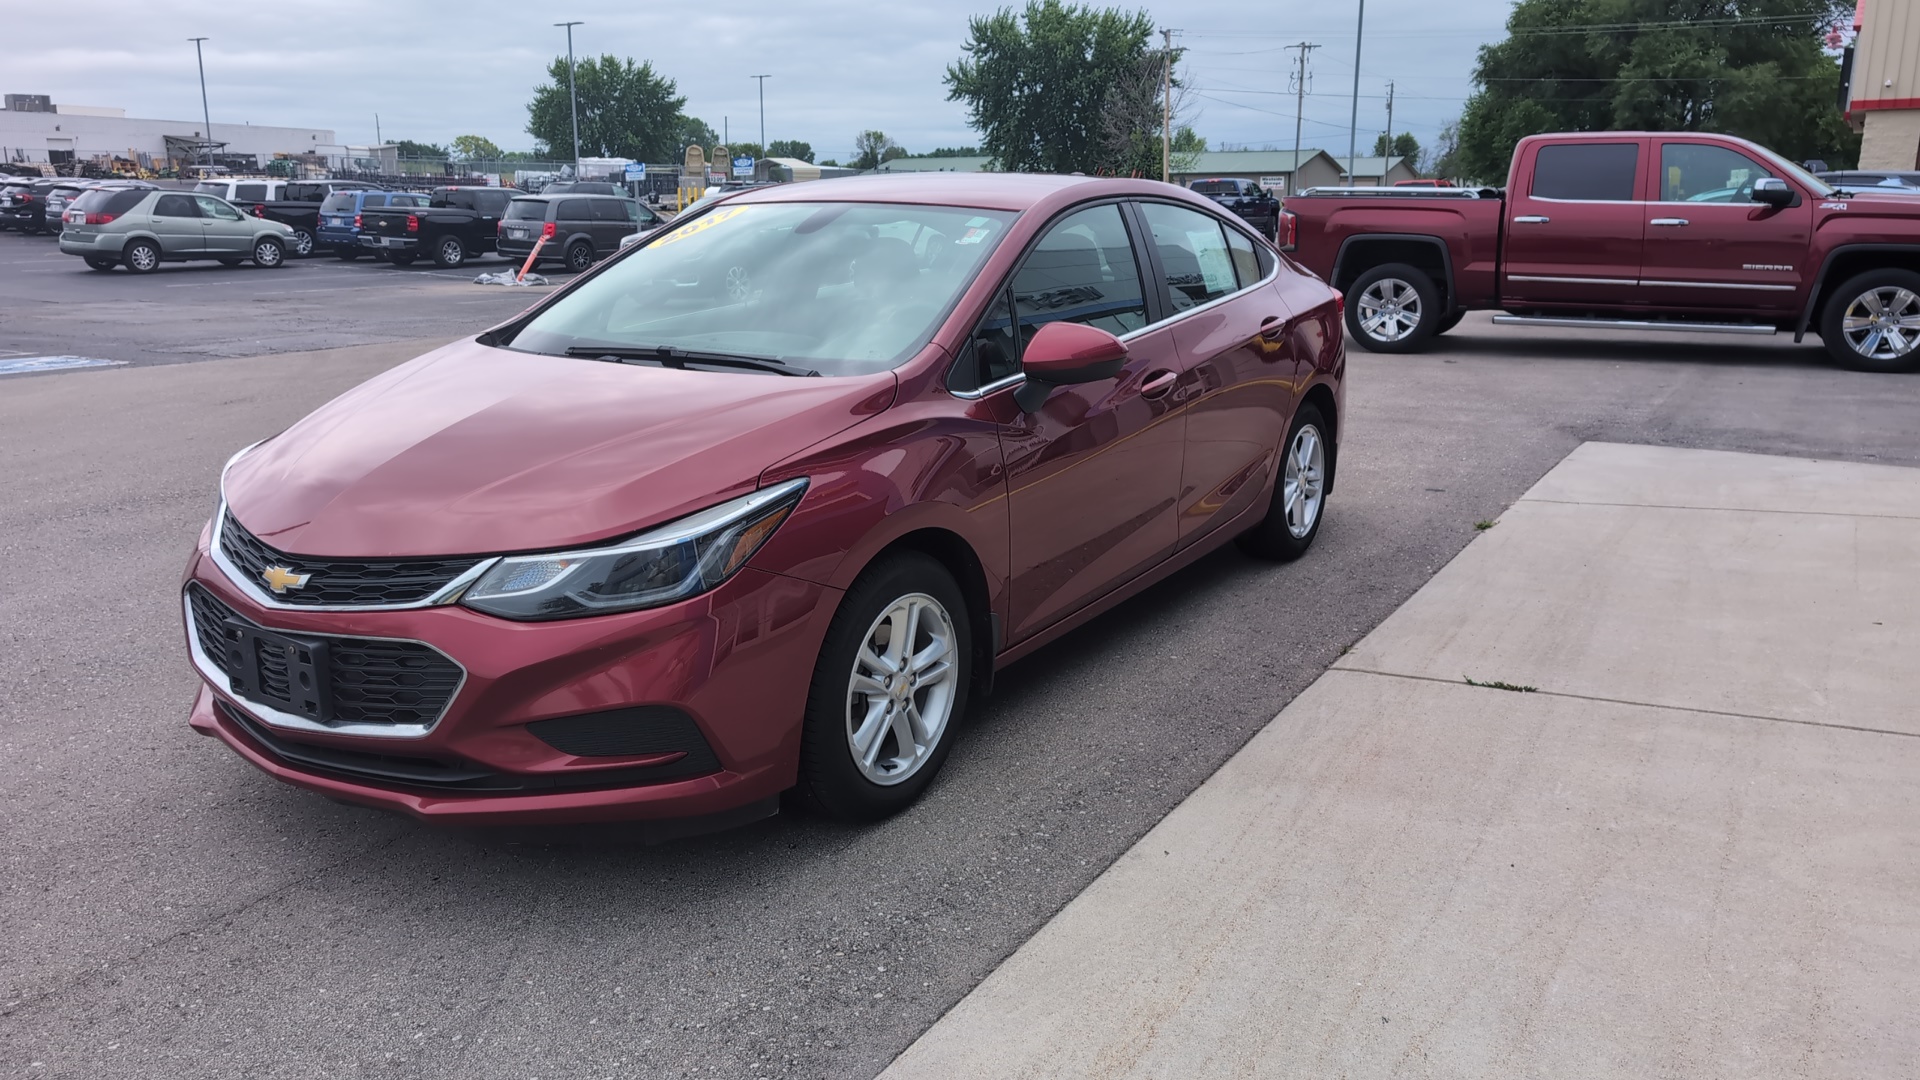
(579, 256)
(301, 243)
(102, 262)
(141, 257)
(1875, 302)
(345, 254)
(449, 252)
(843, 775)
(269, 253)
(1399, 303)
(1299, 502)
(401, 258)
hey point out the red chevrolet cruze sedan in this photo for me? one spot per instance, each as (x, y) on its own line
(760, 504)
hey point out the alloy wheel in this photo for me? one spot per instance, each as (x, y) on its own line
(267, 253)
(302, 243)
(1883, 323)
(451, 253)
(1389, 309)
(901, 694)
(143, 257)
(1303, 482)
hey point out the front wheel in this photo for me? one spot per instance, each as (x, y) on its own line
(1873, 322)
(1393, 308)
(889, 688)
(1299, 492)
(269, 253)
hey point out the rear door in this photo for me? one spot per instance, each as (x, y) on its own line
(573, 217)
(1576, 225)
(176, 223)
(610, 222)
(1709, 245)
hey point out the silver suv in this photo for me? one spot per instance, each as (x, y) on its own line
(142, 229)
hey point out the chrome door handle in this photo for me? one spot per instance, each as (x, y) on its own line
(1531, 219)
(1668, 221)
(1160, 383)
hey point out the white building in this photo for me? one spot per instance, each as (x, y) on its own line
(70, 132)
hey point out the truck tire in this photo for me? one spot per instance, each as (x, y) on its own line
(1872, 322)
(301, 242)
(449, 252)
(1393, 309)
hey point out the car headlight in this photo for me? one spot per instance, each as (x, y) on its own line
(661, 566)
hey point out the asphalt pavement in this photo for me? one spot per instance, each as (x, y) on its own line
(171, 912)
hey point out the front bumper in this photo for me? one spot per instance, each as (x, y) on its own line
(736, 661)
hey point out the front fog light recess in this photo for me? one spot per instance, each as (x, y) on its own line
(661, 566)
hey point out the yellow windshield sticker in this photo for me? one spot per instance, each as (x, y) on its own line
(705, 222)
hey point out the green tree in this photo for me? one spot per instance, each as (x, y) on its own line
(953, 151)
(410, 149)
(1187, 148)
(790, 148)
(832, 163)
(691, 131)
(475, 148)
(870, 148)
(1752, 68)
(626, 110)
(1062, 88)
(1404, 145)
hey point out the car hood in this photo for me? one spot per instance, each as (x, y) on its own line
(477, 450)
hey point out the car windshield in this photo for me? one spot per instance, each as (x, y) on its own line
(841, 288)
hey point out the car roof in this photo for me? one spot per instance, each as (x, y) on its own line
(988, 191)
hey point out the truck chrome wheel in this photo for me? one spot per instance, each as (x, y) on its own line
(1389, 309)
(1303, 484)
(902, 691)
(1883, 323)
(302, 243)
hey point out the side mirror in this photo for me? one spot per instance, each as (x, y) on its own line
(1772, 191)
(1064, 353)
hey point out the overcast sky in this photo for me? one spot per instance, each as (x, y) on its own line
(433, 71)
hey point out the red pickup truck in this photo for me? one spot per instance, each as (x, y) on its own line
(1626, 230)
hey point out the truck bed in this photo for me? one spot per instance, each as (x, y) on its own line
(1468, 221)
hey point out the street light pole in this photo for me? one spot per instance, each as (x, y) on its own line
(573, 100)
(206, 117)
(762, 79)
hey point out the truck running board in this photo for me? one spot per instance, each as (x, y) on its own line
(1635, 324)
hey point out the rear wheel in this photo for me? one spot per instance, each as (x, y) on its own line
(302, 242)
(449, 252)
(142, 256)
(102, 262)
(888, 690)
(269, 253)
(1393, 308)
(579, 255)
(1872, 323)
(1299, 492)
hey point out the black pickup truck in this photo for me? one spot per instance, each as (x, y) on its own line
(1244, 197)
(455, 225)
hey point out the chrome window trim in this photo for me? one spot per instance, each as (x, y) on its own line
(1573, 280)
(221, 683)
(1721, 285)
(1272, 275)
(1586, 202)
(445, 595)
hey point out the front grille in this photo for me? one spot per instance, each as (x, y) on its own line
(339, 582)
(360, 680)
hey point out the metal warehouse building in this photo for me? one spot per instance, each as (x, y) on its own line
(35, 131)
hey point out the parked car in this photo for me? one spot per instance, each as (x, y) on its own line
(141, 228)
(583, 187)
(338, 220)
(296, 203)
(24, 207)
(57, 197)
(1245, 198)
(578, 230)
(1627, 230)
(9, 187)
(644, 551)
(455, 225)
(242, 190)
(1853, 179)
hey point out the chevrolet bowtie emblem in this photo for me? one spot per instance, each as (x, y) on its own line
(280, 579)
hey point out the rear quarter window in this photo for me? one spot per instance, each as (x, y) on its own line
(1586, 172)
(250, 192)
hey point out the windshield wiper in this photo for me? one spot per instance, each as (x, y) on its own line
(675, 357)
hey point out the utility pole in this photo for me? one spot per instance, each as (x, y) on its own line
(763, 112)
(1299, 109)
(377, 141)
(1389, 146)
(1353, 125)
(205, 116)
(1166, 111)
(573, 100)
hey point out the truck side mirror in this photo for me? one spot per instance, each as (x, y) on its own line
(1772, 191)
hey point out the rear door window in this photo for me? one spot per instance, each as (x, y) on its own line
(610, 210)
(1586, 172)
(178, 206)
(1246, 258)
(1193, 254)
(574, 210)
(1081, 271)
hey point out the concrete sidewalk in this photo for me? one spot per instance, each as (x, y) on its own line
(1694, 851)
